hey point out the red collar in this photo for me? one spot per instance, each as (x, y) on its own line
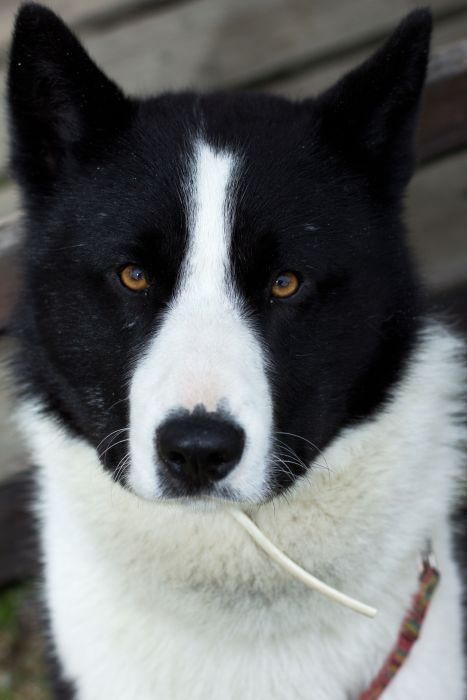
(409, 632)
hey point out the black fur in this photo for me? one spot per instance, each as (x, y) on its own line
(100, 177)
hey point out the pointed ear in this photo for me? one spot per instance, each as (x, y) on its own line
(371, 113)
(60, 103)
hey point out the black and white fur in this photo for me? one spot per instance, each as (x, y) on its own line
(347, 394)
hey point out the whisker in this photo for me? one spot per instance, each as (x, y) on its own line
(114, 444)
(121, 467)
(291, 452)
(312, 444)
(125, 398)
(119, 430)
(302, 463)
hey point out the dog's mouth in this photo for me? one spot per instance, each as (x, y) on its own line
(196, 492)
(202, 504)
(195, 495)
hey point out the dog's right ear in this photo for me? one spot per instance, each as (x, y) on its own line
(60, 104)
(371, 113)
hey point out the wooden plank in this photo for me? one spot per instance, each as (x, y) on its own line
(12, 454)
(220, 43)
(9, 271)
(437, 218)
(448, 57)
(9, 202)
(82, 15)
(444, 126)
(19, 552)
(452, 59)
(453, 302)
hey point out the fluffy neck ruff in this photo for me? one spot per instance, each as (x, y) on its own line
(375, 495)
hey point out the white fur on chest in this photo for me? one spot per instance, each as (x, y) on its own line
(149, 601)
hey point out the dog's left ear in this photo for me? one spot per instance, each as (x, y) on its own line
(60, 103)
(371, 113)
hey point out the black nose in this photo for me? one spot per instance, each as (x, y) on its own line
(199, 448)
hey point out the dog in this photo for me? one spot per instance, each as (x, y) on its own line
(219, 310)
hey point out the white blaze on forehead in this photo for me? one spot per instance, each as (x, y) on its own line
(205, 351)
(209, 221)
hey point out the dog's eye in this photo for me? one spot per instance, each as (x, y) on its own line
(285, 285)
(134, 278)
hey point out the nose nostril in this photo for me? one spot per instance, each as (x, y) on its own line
(176, 458)
(217, 459)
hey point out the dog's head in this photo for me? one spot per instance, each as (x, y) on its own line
(215, 285)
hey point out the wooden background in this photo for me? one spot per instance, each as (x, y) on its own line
(292, 47)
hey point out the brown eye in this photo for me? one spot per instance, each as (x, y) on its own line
(286, 284)
(134, 278)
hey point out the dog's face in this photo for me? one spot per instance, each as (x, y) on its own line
(215, 286)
